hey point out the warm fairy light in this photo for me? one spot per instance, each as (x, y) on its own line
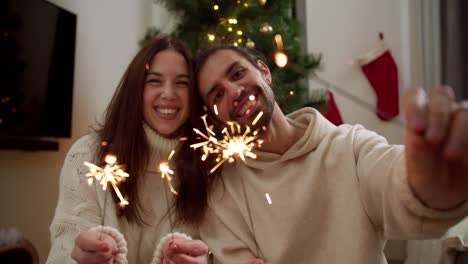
(291, 92)
(112, 173)
(281, 59)
(216, 7)
(235, 44)
(211, 37)
(167, 172)
(239, 41)
(268, 198)
(236, 142)
(230, 29)
(246, 5)
(239, 32)
(232, 21)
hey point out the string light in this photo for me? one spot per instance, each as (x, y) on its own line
(216, 7)
(230, 29)
(239, 32)
(211, 37)
(291, 92)
(281, 59)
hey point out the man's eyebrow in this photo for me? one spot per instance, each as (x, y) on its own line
(226, 73)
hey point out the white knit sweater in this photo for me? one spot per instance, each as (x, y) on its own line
(79, 205)
(336, 196)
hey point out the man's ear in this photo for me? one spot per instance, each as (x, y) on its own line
(264, 70)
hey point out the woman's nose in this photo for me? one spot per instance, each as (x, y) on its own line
(168, 91)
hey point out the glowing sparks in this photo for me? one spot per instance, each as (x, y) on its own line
(112, 173)
(267, 195)
(236, 142)
(167, 172)
(257, 118)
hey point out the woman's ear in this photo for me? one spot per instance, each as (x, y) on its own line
(264, 70)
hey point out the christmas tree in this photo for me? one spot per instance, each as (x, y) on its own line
(267, 26)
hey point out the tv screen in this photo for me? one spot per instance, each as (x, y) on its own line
(37, 52)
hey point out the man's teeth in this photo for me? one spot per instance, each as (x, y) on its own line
(246, 108)
(167, 111)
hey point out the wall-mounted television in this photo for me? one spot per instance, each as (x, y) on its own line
(37, 56)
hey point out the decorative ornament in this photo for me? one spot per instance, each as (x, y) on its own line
(262, 2)
(266, 28)
(250, 44)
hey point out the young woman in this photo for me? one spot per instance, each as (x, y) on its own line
(143, 123)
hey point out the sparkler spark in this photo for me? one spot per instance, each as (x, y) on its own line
(167, 172)
(233, 144)
(112, 173)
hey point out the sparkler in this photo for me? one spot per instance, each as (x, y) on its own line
(167, 172)
(112, 173)
(236, 142)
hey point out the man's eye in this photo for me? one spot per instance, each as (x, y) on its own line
(238, 74)
(218, 96)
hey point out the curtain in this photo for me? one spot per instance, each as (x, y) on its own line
(454, 44)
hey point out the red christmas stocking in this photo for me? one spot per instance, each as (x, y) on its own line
(382, 74)
(333, 114)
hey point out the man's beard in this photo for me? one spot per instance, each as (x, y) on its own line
(268, 103)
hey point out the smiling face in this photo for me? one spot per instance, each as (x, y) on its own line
(237, 89)
(166, 93)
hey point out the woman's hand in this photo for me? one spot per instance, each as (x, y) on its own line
(93, 247)
(184, 251)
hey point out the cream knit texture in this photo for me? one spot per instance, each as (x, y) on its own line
(158, 255)
(80, 206)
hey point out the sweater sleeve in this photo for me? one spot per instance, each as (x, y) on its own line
(158, 255)
(388, 200)
(78, 208)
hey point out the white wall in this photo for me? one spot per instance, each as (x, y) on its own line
(108, 32)
(343, 30)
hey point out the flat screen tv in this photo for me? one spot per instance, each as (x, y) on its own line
(37, 53)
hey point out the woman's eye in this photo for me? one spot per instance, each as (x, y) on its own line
(183, 83)
(154, 81)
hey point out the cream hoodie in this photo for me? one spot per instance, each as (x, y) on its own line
(337, 195)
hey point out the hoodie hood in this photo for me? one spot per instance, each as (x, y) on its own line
(316, 128)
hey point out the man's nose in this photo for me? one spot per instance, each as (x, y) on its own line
(234, 91)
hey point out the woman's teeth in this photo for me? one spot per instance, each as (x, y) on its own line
(167, 111)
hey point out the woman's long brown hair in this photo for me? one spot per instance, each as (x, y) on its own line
(123, 124)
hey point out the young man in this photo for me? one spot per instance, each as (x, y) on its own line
(336, 193)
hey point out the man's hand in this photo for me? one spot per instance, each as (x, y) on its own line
(183, 251)
(93, 247)
(437, 147)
